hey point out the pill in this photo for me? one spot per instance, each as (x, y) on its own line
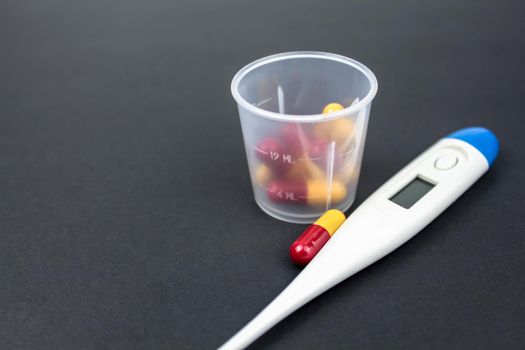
(343, 129)
(313, 192)
(323, 130)
(332, 107)
(304, 169)
(337, 130)
(314, 172)
(319, 193)
(297, 172)
(263, 175)
(274, 154)
(308, 244)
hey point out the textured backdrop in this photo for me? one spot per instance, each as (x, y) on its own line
(126, 214)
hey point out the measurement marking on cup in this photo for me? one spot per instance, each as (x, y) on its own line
(287, 195)
(275, 156)
(262, 102)
(347, 153)
(347, 165)
(287, 158)
(280, 99)
(260, 150)
(308, 159)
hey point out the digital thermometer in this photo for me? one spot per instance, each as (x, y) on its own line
(392, 215)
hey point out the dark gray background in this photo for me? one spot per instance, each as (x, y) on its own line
(126, 212)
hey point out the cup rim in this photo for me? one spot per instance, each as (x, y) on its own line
(303, 117)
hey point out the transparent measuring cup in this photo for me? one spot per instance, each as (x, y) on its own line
(302, 161)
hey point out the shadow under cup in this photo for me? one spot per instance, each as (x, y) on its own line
(302, 161)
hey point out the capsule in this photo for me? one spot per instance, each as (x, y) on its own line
(312, 192)
(263, 175)
(308, 244)
(343, 130)
(332, 107)
(337, 130)
(297, 172)
(304, 170)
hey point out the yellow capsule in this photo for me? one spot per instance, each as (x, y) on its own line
(342, 130)
(305, 169)
(337, 130)
(331, 220)
(323, 130)
(313, 170)
(317, 192)
(332, 107)
(263, 175)
(297, 172)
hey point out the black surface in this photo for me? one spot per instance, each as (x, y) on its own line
(126, 212)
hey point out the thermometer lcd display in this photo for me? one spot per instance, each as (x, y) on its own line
(412, 192)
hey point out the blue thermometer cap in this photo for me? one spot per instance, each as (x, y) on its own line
(482, 139)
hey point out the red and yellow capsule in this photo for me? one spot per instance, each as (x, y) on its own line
(308, 244)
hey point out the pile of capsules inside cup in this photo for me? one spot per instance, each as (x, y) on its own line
(307, 164)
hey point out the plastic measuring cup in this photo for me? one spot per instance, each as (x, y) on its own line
(303, 162)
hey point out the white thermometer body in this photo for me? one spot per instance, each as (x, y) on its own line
(392, 215)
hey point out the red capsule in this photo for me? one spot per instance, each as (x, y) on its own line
(308, 244)
(274, 154)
